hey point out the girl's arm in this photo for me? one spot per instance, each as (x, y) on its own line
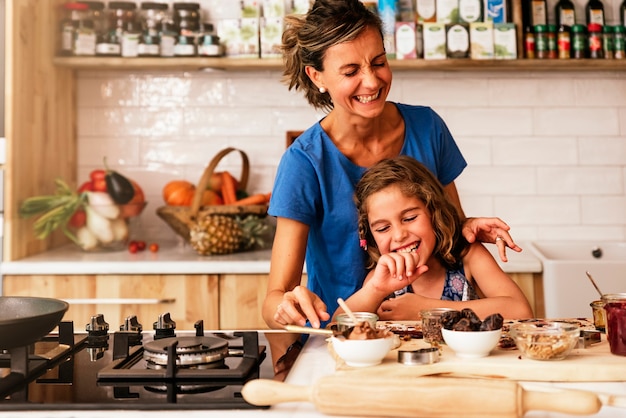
(287, 302)
(393, 272)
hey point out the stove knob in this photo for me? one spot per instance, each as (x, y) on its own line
(97, 325)
(131, 324)
(164, 326)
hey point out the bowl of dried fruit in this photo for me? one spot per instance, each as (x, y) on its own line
(549, 340)
(469, 336)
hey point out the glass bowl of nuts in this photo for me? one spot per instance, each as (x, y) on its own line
(549, 340)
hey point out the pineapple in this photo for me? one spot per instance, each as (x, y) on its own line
(221, 234)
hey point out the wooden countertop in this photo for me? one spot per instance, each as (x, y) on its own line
(179, 258)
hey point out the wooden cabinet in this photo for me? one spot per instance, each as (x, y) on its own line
(531, 285)
(187, 298)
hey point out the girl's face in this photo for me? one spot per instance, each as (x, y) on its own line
(400, 223)
(356, 75)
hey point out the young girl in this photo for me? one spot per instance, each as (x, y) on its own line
(412, 233)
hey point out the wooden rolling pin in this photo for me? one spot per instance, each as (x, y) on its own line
(426, 397)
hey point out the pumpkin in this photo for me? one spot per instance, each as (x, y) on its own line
(181, 193)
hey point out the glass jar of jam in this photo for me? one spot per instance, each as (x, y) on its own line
(615, 307)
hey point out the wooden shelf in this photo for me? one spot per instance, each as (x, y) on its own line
(275, 64)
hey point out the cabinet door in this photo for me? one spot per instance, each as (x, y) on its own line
(241, 300)
(188, 298)
(531, 285)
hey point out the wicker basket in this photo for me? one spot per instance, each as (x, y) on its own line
(182, 218)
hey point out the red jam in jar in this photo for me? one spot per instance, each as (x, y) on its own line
(615, 307)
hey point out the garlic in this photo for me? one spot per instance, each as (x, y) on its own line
(120, 229)
(99, 225)
(86, 239)
(102, 203)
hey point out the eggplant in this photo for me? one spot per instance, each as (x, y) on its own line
(118, 186)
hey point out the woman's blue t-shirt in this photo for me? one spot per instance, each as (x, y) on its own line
(315, 184)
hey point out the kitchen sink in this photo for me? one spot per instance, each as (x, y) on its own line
(567, 290)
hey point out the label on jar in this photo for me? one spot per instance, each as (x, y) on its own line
(84, 42)
(567, 17)
(168, 43)
(596, 16)
(130, 44)
(564, 45)
(144, 49)
(538, 12)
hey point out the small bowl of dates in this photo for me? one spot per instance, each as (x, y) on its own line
(547, 340)
(469, 336)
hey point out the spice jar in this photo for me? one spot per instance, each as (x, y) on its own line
(594, 40)
(541, 41)
(97, 19)
(615, 307)
(607, 42)
(579, 42)
(529, 43)
(552, 47)
(151, 15)
(209, 43)
(187, 18)
(121, 18)
(167, 37)
(431, 325)
(564, 43)
(619, 42)
(73, 20)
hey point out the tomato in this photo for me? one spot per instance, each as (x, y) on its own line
(86, 187)
(154, 247)
(98, 180)
(141, 245)
(132, 247)
(78, 219)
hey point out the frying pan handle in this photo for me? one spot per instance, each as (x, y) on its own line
(119, 301)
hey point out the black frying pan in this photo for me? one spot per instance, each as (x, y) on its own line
(24, 320)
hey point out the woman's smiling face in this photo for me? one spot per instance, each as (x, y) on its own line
(400, 223)
(357, 74)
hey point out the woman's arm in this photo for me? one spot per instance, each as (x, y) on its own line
(491, 230)
(287, 302)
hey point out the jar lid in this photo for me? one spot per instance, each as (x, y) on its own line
(594, 27)
(614, 297)
(607, 29)
(186, 6)
(551, 28)
(541, 28)
(153, 5)
(578, 28)
(94, 5)
(75, 6)
(434, 312)
(619, 29)
(125, 5)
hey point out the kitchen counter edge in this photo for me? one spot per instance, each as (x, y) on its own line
(179, 258)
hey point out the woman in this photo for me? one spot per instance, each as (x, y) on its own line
(412, 234)
(335, 55)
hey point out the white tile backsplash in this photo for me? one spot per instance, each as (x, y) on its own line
(546, 151)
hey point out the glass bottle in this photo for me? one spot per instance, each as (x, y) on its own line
(73, 17)
(622, 13)
(97, 17)
(565, 13)
(595, 12)
(538, 12)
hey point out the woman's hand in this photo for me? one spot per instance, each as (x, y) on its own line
(300, 305)
(491, 230)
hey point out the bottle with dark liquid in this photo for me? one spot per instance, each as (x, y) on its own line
(622, 13)
(595, 12)
(565, 13)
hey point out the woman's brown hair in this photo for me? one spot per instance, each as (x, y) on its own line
(414, 180)
(306, 39)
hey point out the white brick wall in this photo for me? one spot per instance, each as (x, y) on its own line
(546, 150)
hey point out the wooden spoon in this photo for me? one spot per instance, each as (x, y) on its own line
(347, 310)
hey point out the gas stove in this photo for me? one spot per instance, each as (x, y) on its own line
(133, 369)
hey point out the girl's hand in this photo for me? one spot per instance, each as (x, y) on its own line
(490, 230)
(300, 305)
(400, 308)
(395, 271)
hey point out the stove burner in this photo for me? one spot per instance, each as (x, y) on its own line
(190, 351)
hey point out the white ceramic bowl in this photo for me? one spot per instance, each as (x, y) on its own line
(471, 344)
(362, 353)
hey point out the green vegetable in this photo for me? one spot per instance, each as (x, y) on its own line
(118, 186)
(56, 210)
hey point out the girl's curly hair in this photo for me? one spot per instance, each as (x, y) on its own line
(306, 38)
(414, 180)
